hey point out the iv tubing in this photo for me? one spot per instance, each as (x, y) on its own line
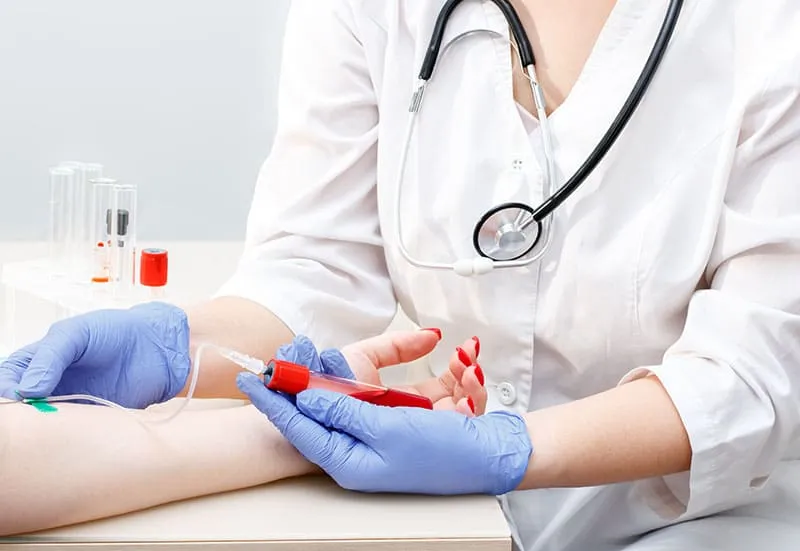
(85, 397)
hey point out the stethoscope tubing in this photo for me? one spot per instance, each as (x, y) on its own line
(552, 201)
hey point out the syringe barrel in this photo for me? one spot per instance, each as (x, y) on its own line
(293, 378)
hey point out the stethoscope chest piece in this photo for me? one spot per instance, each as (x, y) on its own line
(507, 232)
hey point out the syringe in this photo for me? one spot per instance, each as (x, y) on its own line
(291, 378)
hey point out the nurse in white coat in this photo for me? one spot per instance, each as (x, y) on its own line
(643, 372)
(654, 349)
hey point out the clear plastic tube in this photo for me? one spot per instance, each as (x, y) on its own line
(102, 203)
(84, 238)
(289, 382)
(122, 228)
(62, 183)
(80, 199)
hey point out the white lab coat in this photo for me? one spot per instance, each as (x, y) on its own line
(678, 257)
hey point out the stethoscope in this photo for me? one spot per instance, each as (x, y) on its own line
(505, 236)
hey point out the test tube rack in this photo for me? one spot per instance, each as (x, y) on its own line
(92, 257)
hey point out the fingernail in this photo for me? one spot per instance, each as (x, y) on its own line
(463, 357)
(479, 374)
(471, 403)
(477, 345)
(434, 330)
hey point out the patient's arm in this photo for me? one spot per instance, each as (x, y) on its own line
(87, 462)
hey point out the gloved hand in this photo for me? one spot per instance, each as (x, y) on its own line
(380, 449)
(302, 351)
(134, 357)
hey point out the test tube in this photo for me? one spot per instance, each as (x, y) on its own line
(121, 224)
(73, 199)
(92, 172)
(293, 378)
(103, 201)
(80, 245)
(62, 182)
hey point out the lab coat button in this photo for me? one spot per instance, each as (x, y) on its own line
(507, 393)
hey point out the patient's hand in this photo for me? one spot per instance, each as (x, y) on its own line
(458, 388)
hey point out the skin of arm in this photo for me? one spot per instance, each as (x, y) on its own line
(629, 433)
(235, 323)
(83, 463)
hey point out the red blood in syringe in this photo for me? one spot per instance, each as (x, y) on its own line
(293, 378)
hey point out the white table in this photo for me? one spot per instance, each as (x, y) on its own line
(309, 514)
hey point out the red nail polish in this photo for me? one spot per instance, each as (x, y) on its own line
(463, 357)
(477, 345)
(471, 404)
(434, 330)
(479, 375)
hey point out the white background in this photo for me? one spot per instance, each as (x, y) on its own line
(176, 96)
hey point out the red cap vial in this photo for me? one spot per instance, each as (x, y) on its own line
(153, 268)
(287, 377)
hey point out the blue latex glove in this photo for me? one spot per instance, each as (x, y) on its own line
(373, 448)
(302, 351)
(134, 357)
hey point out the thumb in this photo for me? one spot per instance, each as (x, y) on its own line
(342, 413)
(396, 347)
(55, 353)
(334, 362)
(300, 351)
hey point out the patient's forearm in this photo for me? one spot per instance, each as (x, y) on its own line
(235, 323)
(87, 462)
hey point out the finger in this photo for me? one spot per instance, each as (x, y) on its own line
(334, 362)
(469, 350)
(438, 388)
(473, 385)
(397, 347)
(315, 442)
(466, 406)
(343, 413)
(462, 358)
(301, 351)
(448, 384)
(11, 371)
(55, 353)
(476, 346)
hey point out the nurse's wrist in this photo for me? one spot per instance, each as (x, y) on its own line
(545, 467)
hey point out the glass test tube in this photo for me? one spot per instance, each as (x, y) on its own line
(103, 201)
(121, 222)
(62, 183)
(91, 173)
(80, 246)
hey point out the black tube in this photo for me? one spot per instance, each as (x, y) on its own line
(514, 22)
(625, 114)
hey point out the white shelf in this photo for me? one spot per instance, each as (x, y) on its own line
(35, 278)
(36, 297)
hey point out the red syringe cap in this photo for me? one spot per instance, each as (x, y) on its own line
(153, 268)
(287, 377)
